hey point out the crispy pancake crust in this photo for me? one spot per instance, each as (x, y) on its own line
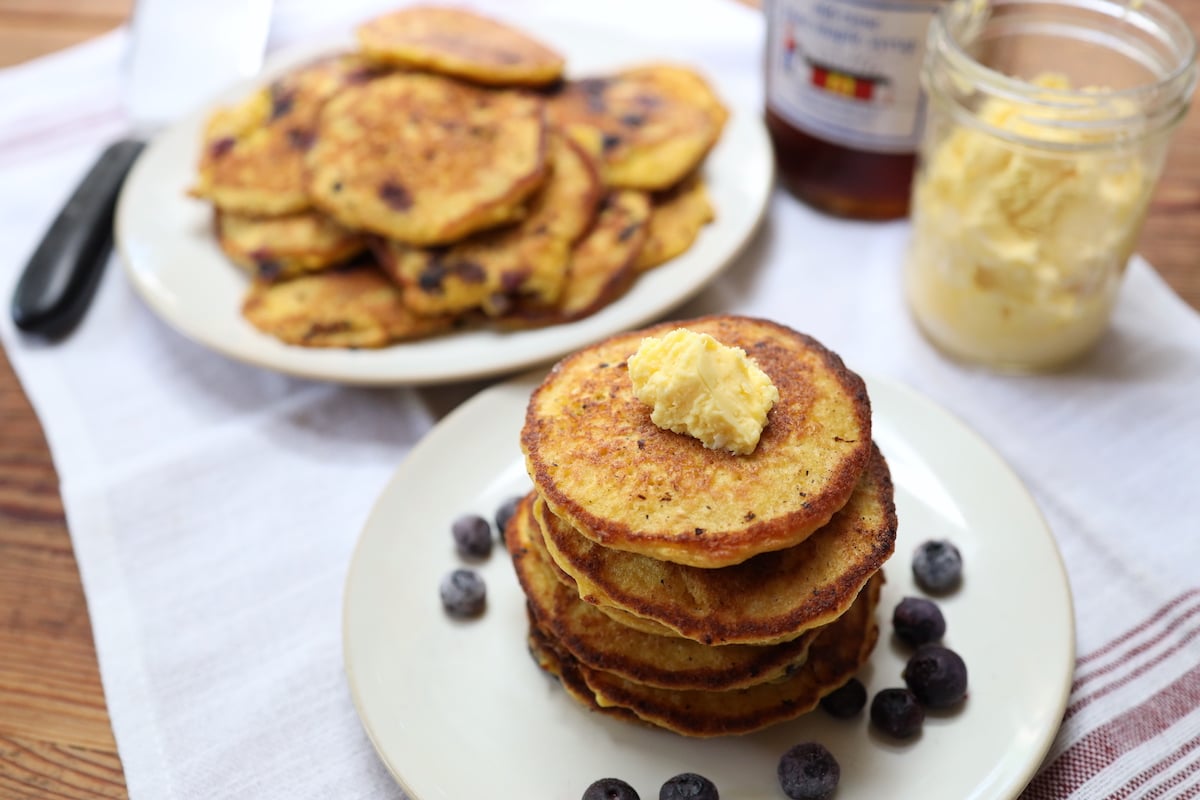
(601, 464)
(837, 653)
(492, 269)
(676, 218)
(601, 265)
(354, 306)
(280, 248)
(599, 642)
(650, 125)
(459, 43)
(550, 658)
(254, 151)
(767, 599)
(425, 159)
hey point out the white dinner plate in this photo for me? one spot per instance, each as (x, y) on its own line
(458, 709)
(165, 241)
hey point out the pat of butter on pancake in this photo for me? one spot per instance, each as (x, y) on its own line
(697, 386)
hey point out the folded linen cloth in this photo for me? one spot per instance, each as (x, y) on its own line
(213, 506)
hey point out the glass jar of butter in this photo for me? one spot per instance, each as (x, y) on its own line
(1047, 129)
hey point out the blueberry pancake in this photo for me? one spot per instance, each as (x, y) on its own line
(427, 160)
(281, 248)
(649, 126)
(600, 267)
(676, 218)
(836, 654)
(601, 643)
(493, 269)
(252, 161)
(767, 599)
(459, 43)
(607, 470)
(355, 306)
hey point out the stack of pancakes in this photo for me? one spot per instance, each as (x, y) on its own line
(704, 592)
(447, 173)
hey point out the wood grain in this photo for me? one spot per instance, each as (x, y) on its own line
(55, 736)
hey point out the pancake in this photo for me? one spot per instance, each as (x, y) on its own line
(601, 643)
(355, 306)
(618, 615)
(601, 265)
(547, 656)
(601, 464)
(459, 43)
(253, 154)
(835, 656)
(768, 599)
(527, 260)
(676, 218)
(650, 126)
(425, 159)
(280, 248)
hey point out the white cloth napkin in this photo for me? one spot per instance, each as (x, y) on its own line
(213, 506)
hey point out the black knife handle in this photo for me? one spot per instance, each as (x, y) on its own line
(62, 274)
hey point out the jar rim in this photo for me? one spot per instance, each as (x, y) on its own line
(1162, 102)
(1168, 16)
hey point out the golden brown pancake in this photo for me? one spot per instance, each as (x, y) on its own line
(492, 269)
(601, 643)
(601, 265)
(836, 654)
(676, 218)
(425, 159)
(254, 151)
(280, 248)
(650, 125)
(459, 43)
(767, 599)
(546, 654)
(354, 306)
(606, 469)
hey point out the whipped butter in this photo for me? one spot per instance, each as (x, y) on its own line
(1022, 226)
(697, 386)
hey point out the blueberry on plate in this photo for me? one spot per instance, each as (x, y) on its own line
(610, 789)
(937, 566)
(688, 786)
(504, 514)
(937, 676)
(847, 700)
(809, 772)
(463, 593)
(897, 713)
(918, 621)
(472, 536)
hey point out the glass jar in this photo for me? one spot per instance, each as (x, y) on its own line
(1047, 130)
(843, 100)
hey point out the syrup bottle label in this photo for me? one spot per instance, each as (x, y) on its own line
(848, 72)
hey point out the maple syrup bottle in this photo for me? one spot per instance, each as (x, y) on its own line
(844, 105)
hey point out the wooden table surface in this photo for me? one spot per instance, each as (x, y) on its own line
(55, 737)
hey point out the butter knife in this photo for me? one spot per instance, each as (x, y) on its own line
(180, 55)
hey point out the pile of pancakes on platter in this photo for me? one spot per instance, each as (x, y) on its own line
(693, 589)
(446, 173)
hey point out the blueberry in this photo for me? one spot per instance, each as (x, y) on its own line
(937, 676)
(472, 536)
(937, 566)
(504, 513)
(897, 713)
(809, 772)
(463, 593)
(918, 621)
(688, 786)
(847, 700)
(610, 789)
